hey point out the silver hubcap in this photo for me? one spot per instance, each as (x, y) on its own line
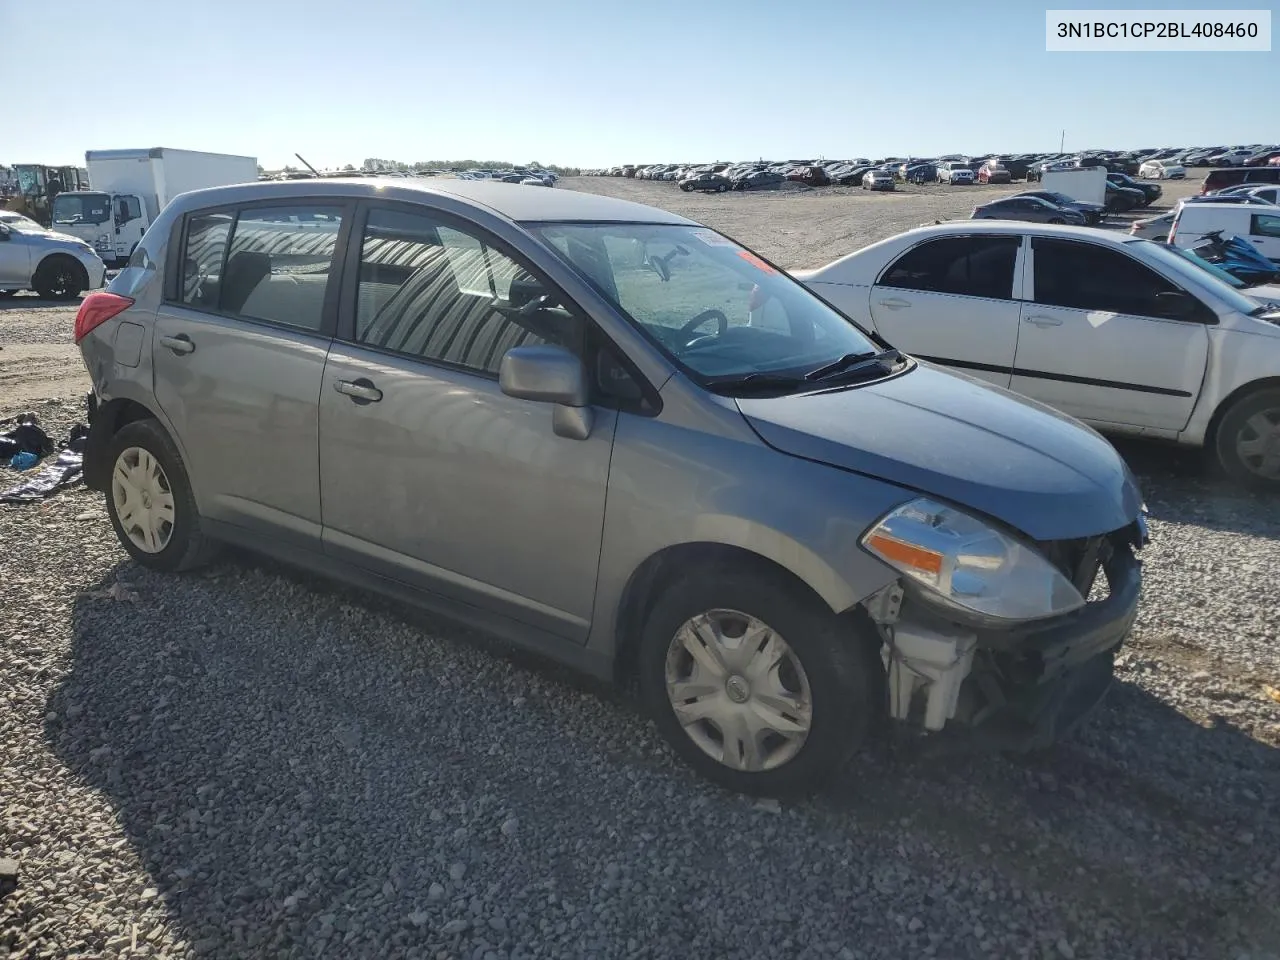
(738, 690)
(1258, 444)
(142, 499)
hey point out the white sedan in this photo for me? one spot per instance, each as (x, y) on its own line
(1162, 170)
(1119, 332)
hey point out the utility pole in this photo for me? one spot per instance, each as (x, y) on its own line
(1061, 143)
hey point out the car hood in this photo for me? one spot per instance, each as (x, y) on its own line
(962, 440)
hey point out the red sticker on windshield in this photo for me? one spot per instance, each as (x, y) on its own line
(755, 261)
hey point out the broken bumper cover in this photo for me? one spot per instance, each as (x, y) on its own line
(1031, 685)
(1036, 684)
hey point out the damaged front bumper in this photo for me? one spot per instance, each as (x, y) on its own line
(1013, 688)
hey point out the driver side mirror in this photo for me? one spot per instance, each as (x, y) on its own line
(550, 374)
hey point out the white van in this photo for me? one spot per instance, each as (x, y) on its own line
(1259, 224)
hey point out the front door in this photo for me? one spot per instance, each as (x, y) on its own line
(238, 358)
(951, 301)
(1099, 340)
(429, 473)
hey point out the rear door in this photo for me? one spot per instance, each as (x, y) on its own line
(238, 357)
(1098, 339)
(1264, 233)
(952, 300)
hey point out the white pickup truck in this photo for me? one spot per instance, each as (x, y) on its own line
(129, 188)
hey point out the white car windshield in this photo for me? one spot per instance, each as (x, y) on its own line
(717, 309)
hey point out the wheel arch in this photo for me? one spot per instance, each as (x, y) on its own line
(659, 570)
(108, 420)
(1230, 400)
(57, 256)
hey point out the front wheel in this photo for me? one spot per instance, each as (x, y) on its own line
(1247, 442)
(755, 684)
(150, 502)
(60, 278)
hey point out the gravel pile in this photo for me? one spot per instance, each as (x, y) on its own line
(247, 763)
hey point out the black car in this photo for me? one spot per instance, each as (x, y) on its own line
(1030, 209)
(1151, 191)
(1120, 199)
(706, 181)
(760, 180)
(1092, 212)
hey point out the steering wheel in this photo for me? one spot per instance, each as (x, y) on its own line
(722, 324)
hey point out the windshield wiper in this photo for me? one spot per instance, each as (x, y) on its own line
(753, 382)
(854, 362)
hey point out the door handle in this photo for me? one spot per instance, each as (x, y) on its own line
(180, 344)
(894, 303)
(1040, 320)
(360, 391)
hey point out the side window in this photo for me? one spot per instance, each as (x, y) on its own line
(967, 266)
(202, 258)
(1264, 225)
(434, 291)
(1088, 277)
(278, 264)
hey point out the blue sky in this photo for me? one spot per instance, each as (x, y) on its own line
(591, 82)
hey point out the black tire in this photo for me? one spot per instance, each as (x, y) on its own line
(721, 188)
(686, 187)
(187, 547)
(60, 277)
(1234, 427)
(1056, 220)
(845, 676)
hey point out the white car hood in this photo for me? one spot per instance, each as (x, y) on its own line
(1264, 293)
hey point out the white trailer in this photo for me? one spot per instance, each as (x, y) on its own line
(129, 188)
(1086, 184)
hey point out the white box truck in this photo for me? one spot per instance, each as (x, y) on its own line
(1086, 184)
(129, 188)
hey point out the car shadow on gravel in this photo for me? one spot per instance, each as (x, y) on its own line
(298, 772)
(1179, 486)
(33, 302)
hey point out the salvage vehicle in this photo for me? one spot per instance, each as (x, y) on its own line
(955, 171)
(708, 181)
(993, 171)
(1151, 192)
(1030, 209)
(878, 180)
(1121, 333)
(56, 266)
(581, 424)
(1162, 170)
(1092, 212)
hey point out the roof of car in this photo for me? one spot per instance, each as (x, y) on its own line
(514, 201)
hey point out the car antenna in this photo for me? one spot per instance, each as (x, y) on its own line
(307, 165)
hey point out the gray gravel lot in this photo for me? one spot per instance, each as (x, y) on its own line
(251, 763)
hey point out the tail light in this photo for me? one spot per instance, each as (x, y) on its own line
(1173, 231)
(97, 309)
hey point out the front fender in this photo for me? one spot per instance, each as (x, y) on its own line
(669, 486)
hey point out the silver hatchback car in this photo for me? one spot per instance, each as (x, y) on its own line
(612, 435)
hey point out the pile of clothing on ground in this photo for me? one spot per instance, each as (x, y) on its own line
(23, 444)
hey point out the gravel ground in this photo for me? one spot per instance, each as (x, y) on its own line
(248, 762)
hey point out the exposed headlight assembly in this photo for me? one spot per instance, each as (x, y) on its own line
(964, 563)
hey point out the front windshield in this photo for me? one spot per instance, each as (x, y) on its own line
(1195, 273)
(81, 208)
(714, 307)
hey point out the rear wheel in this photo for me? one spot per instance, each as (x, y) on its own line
(755, 684)
(60, 278)
(1247, 441)
(149, 500)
